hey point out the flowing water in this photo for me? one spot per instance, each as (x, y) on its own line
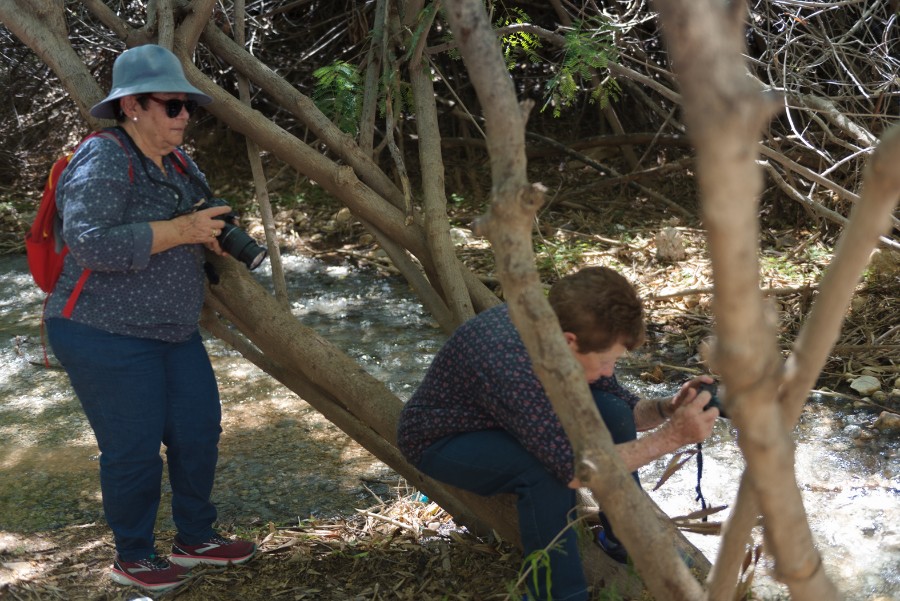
(281, 461)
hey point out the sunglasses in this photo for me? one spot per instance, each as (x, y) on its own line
(174, 106)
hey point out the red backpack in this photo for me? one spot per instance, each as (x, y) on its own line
(46, 254)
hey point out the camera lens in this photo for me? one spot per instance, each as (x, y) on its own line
(237, 243)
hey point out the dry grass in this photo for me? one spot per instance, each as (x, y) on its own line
(405, 550)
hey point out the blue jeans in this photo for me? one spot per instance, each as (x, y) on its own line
(488, 462)
(138, 393)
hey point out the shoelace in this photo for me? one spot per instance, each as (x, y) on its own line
(155, 562)
(220, 540)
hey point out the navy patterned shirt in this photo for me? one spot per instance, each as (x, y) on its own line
(482, 379)
(107, 196)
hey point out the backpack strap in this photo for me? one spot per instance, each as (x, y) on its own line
(76, 292)
(109, 134)
(181, 164)
(113, 133)
(69, 307)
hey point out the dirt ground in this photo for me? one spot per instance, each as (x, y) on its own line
(402, 551)
(410, 550)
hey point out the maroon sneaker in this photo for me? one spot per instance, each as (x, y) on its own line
(216, 551)
(153, 573)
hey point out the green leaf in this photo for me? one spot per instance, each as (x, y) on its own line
(338, 94)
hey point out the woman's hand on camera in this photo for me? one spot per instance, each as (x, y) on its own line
(199, 227)
(689, 422)
(684, 394)
(203, 227)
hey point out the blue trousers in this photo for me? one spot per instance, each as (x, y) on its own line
(138, 393)
(489, 462)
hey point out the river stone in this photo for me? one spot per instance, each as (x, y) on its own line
(853, 431)
(887, 421)
(865, 385)
(343, 216)
(460, 235)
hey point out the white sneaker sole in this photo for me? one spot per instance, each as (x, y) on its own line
(189, 561)
(121, 578)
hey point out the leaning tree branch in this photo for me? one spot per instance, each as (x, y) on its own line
(508, 225)
(820, 331)
(868, 220)
(258, 171)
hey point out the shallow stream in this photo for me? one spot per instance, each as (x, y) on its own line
(282, 462)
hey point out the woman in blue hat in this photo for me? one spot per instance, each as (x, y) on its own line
(131, 343)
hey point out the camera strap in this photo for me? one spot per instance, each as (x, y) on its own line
(699, 496)
(179, 161)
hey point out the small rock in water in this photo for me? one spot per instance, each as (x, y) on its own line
(853, 431)
(459, 236)
(887, 421)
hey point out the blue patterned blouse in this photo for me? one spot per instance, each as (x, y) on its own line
(107, 196)
(482, 379)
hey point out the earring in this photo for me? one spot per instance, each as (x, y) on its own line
(134, 118)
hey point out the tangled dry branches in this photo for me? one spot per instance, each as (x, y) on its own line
(834, 66)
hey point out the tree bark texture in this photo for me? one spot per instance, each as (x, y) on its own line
(434, 199)
(725, 112)
(508, 225)
(42, 26)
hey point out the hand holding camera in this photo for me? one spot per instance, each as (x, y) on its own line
(233, 240)
(712, 389)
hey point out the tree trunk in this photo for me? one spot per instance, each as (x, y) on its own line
(437, 226)
(41, 24)
(725, 112)
(508, 225)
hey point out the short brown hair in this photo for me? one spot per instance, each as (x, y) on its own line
(600, 307)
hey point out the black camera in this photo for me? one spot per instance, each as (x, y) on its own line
(714, 401)
(233, 240)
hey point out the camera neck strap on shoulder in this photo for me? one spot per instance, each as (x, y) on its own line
(179, 161)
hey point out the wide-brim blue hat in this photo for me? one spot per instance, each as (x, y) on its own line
(145, 70)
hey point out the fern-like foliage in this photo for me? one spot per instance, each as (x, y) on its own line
(590, 45)
(519, 43)
(338, 94)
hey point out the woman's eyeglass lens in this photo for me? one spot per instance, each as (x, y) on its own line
(174, 105)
